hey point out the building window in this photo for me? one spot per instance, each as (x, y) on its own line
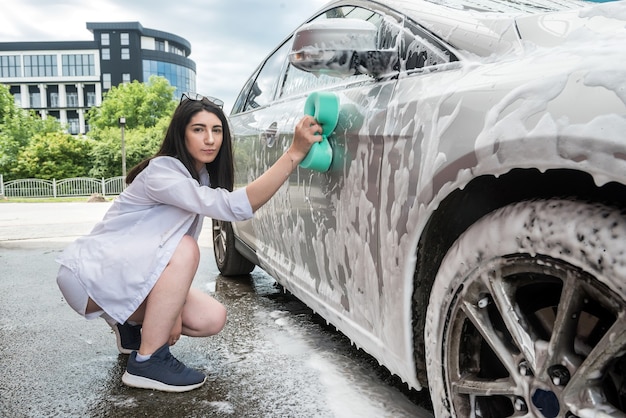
(106, 81)
(78, 65)
(106, 54)
(125, 78)
(35, 99)
(54, 99)
(72, 99)
(176, 50)
(17, 99)
(91, 98)
(124, 40)
(54, 114)
(159, 45)
(40, 66)
(10, 66)
(125, 53)
(180, 77)
(73, 126)
(104, 39)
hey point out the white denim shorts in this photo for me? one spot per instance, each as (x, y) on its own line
(74, 293)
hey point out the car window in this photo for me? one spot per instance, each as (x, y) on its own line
(298, 81)
(419, 49)
(261, 91)
(279, 79)
(240, 102)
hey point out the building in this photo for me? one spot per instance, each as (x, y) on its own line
(65, 79)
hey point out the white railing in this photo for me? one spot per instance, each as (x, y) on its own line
(78, 186)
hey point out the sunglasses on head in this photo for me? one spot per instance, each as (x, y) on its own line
(199, 98)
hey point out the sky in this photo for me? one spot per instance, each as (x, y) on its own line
(229, 38)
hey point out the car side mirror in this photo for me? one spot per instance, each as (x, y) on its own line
(340, 48)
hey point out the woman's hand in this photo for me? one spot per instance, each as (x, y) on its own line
(307, 132)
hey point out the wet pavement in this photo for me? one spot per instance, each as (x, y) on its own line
(274, 358)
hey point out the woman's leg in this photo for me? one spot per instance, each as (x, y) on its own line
(165, 302)
(202, 315)
(91, 306)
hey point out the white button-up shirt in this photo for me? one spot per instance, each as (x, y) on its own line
(120, 260)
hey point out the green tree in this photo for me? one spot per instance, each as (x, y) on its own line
(147, 107)
(142, 104)
(140, 143)
(53, 155)
(24, 136)
(17, 128)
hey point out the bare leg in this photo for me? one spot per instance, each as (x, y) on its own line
(201, 314)
(164, 303)
(91, 306)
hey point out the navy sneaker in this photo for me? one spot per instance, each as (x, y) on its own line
(161, 372)
(128, 337)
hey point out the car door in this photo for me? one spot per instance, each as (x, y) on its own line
(348, 249)
(341, 224)
(319, 235)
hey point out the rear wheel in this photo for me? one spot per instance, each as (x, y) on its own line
(229, 261)
(527, 316)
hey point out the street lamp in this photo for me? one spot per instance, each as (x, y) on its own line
(122, 124)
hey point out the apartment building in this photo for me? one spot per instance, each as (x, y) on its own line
(64, 79)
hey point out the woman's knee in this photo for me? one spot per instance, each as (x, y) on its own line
(220, 319)
(214, 322)
(203, 316)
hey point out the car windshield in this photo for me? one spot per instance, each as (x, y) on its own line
(511, 6)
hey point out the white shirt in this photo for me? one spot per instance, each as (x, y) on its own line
(120, 260)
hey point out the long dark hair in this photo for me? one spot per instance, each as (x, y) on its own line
(221, 170)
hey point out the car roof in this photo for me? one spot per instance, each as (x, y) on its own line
(480, 27)
(510, 6)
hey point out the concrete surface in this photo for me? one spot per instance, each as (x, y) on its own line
(273, 359)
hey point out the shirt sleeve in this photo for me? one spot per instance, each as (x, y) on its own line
(168, 181)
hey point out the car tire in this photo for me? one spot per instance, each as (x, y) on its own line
(229, 261)
(527, 315)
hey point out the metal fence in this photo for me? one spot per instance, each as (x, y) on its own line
(79, 186)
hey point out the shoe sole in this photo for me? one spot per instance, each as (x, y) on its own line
(145, 383)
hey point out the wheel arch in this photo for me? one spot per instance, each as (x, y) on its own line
(482, 195)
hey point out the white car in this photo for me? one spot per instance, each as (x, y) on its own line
(468, 229)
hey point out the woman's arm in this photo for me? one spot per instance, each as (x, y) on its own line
(306, 133)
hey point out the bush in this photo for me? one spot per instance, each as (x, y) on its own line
(53, 155)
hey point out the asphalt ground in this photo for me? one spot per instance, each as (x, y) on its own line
(274, 358)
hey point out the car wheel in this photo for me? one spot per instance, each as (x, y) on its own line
(527, 315)
(229, 261)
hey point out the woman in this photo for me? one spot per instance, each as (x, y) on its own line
(136, 267)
